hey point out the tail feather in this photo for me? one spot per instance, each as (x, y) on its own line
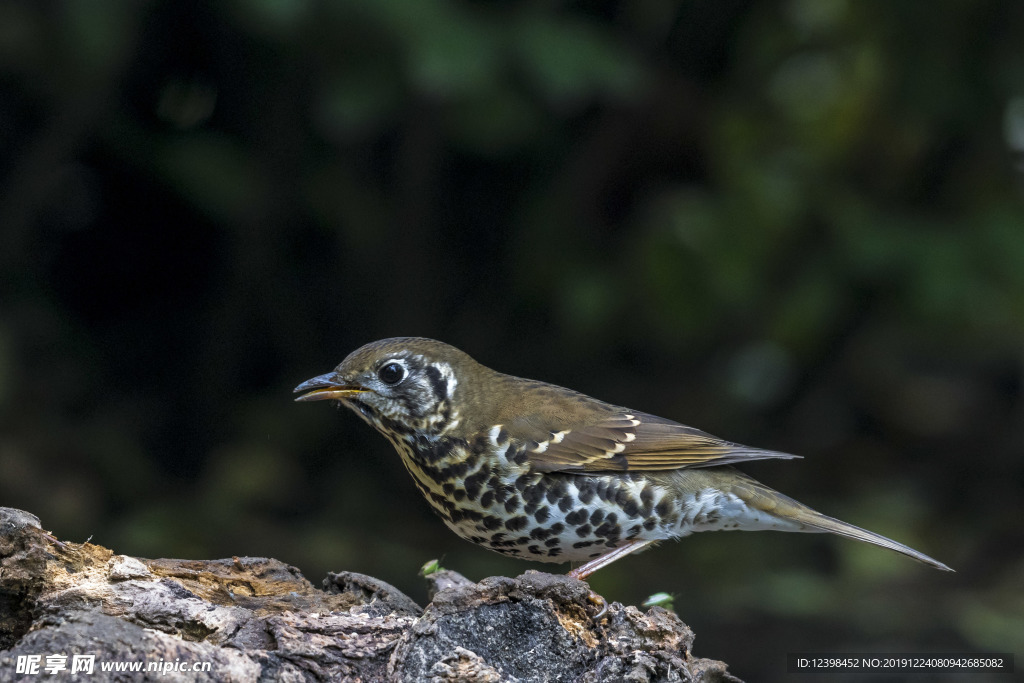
(761, 497)
(835, 526)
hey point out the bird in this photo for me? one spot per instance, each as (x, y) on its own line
(540, 472)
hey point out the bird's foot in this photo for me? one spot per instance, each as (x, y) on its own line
(593, 598)
(600, 603)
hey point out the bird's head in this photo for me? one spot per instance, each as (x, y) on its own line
(401, 386)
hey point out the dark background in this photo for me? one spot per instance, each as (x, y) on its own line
(796, 225)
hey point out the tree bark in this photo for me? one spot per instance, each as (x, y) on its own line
(257, 619)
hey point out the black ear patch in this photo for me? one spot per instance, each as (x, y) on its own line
(437, 382)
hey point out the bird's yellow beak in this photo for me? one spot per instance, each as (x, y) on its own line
(326, 387)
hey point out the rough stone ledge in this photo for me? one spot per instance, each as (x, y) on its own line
(257, 619)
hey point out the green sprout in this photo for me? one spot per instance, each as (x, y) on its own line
(660, 600)
(431, 567)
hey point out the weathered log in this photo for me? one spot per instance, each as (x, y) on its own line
(257, 619)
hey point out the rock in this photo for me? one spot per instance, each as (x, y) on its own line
(385, 598)
(257, 619)
(445, 578)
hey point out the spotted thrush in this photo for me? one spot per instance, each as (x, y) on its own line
(540, 472)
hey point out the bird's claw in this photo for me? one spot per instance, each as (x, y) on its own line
(602, 604)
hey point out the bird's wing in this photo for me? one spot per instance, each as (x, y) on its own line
(627, 441)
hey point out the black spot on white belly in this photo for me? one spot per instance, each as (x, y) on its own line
(516, 523)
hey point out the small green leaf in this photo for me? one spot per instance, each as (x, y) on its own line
(431, 567)
(660, 600)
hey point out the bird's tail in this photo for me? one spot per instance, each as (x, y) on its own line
(758, 495)
(821, 522)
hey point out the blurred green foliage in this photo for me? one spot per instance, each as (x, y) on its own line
(797, 225)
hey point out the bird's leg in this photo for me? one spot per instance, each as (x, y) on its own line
(585, 570)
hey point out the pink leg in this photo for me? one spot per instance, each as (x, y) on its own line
(589, 568)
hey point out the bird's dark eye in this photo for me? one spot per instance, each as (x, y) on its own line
(392, 373)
